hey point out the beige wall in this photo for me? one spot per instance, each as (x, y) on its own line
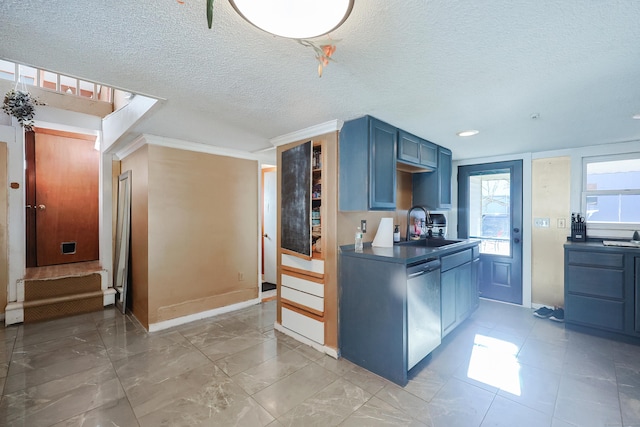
(138, 164)
(4, 262)
(349, 221)
(551, 191)
(194, 232)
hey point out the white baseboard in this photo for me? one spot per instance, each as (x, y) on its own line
(154, 327)
(304, 340)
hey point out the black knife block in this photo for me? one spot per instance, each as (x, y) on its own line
(578, 231)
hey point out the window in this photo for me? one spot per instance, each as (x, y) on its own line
(611, 190)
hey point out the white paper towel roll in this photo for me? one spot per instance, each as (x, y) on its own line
(384, 235)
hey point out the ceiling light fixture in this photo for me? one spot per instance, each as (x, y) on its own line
(636, 116)
(470, 132)
(295, 19)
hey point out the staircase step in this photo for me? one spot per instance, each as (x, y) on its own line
(61, 286)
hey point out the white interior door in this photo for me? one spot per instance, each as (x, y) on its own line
(269, 237)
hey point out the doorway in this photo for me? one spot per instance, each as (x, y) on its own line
(62, 184)
(269, 217)
(490, 209)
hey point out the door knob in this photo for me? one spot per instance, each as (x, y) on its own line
(42, 207)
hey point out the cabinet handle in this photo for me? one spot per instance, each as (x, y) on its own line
(516, 230)
(516, 240)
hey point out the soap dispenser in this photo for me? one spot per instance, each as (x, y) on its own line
(635, 238)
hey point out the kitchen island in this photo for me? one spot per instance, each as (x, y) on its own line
(387, 317)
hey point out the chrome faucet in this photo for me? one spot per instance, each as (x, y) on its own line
(427, 217)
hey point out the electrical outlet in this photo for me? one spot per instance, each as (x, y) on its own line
(240, 276)
(363, 225)
(562, 223)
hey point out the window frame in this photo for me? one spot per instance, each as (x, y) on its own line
(601, 225)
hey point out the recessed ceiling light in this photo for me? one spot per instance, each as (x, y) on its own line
(636, 116)
(469, 132)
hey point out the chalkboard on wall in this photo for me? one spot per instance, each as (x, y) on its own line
(295, 200)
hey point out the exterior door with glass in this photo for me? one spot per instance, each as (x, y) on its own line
(490, 209)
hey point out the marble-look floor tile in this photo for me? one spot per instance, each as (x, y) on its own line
(329, 407)
(263, 375)
(252, 356)
(292, 390)
(459, 404)
(89, 337)
(366, 380)
(426, 383)
(61, 399)
(117, 413)
(234, 345)
(507, 413)
(219, 402)
(377, 413)
(596, 365)
(588, 401)
(27, 361)
(32, 377)
(51, 333)
(154, 366)
(407, 402)
(535, 388)
(543, 355)
(132, 344)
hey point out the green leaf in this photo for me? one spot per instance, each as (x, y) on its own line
(209, 12)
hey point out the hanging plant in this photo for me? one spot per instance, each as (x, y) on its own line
(21, 105)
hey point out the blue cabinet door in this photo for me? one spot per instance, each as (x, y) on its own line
(433, 189)
(382, 165)
(409, 147)
(428, 154)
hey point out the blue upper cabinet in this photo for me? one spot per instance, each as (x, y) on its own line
(416, 151)
(433, 189)
(367, 178)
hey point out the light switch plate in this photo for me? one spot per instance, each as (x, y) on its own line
(363, 225)
(541, 222)
(562, 223)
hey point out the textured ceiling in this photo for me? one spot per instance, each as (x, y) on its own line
(430, 67)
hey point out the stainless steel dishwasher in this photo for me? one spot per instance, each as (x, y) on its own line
(423, 310)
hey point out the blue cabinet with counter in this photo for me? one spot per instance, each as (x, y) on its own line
(601, 288)
(388, 320)
(367, 175)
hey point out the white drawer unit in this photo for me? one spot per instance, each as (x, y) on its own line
(303, 285)
(303, 298)
(303, 325)
(312, 265)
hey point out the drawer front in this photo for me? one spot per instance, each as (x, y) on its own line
(602, 282)
(476, 252)
(303, 325)
(594, 312)
(600, 259)
(302, 298)
(451, 261)
(313, 265)
(303, 285)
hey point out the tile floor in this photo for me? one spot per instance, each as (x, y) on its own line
(503, 367)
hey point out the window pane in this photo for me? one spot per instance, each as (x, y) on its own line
(27, 75)
(7, 70)
(68, 85)
(489, 212)
(48, 80)
(614, 208)
(613, 175)
(86, 89)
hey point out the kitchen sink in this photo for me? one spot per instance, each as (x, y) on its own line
(434, 242)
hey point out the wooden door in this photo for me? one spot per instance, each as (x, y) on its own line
(66, 197)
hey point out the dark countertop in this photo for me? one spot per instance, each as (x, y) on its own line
(406, 254)
(591, 244)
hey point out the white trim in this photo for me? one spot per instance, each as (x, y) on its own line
(130, 148)
(108, 297)
(154, 327)
(13, 313)
(162, 141)
(321, 348)
(310, 132)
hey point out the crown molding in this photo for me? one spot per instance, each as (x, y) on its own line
(310, 132)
